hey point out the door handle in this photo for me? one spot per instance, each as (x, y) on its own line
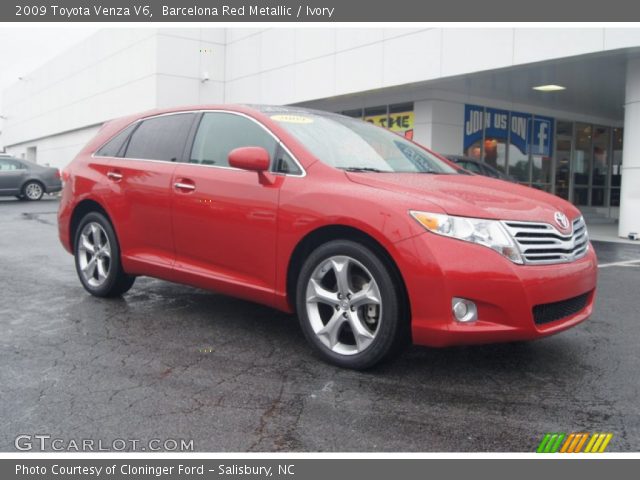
(184, 186)
(114, 176)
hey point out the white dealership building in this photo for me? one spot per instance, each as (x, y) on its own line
(555, 108)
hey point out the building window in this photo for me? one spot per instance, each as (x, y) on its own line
(376, 115)
(581, 164)
(564, 140)
(474, 120)
(616, 166)
(517, 144)
(401, 118)
(600, 165)
(357, 113)
(398, 118)
(496, 138)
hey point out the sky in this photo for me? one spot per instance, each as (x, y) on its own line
(22, 50)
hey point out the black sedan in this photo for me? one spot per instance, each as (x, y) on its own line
(27, 180)
(475, 166)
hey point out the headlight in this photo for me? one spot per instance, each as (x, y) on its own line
(489, 233)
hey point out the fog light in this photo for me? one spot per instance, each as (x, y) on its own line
(464, 310)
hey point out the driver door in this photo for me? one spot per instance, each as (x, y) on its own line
(225, 218)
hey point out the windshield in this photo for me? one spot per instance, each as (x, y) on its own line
(355, 145)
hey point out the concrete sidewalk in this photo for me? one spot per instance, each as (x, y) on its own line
(607, 232)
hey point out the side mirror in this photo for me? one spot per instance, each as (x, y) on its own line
(255, 159)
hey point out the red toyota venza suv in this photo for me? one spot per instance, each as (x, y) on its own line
(370, 238)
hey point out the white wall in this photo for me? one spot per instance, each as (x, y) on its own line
(114, 73)
(184, 58)
(287, 65)
(630, 191)
(108, 74)
(56, 150)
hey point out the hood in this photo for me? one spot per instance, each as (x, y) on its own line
(473, 195)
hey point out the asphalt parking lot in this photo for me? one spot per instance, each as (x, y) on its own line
(168, 361)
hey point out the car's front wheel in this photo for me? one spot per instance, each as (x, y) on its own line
(32, 191)
(349, 305)
(97, 258)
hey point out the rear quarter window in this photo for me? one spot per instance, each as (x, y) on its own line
(160, 138)
(115, 146)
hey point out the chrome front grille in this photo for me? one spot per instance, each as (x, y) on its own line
(541, 243)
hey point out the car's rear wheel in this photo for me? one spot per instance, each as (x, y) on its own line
(33, 191)
(348, 306)
(97, 256)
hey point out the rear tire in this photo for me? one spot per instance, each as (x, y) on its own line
(33, 191)
(97, 258)
(349, 307)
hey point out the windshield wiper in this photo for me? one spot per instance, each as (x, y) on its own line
(377, 170)
(365, 169)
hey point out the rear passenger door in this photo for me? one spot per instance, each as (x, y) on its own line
(140, 179)
(12, 174)
(225, 218)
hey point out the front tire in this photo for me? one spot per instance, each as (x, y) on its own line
(97, 258)
(349, 307)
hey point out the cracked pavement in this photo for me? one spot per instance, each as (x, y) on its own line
(172, 362)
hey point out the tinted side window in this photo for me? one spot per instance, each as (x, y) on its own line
(219, 133)
(115, 146)
(283, 163)
(9, 165)
(160, 138)
(472, 167)
(490, 172)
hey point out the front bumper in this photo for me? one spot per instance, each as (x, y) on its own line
(436, 268)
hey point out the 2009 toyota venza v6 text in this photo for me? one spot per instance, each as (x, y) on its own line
(371, 239)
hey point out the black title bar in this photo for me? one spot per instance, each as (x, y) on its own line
(316, 469)
(319, 11)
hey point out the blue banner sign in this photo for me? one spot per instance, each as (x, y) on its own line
(542, 136)
(496, 124)
(520, 128)
(473, 124)
(528, 133)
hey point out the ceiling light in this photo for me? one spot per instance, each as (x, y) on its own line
(549, 88)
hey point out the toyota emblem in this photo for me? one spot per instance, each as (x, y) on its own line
(562, 220)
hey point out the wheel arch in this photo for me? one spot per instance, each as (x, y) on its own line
(81, 209)
(327, 233)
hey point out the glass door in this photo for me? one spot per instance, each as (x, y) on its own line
(600, 165)
(564, 140)
(616, 168)
(581, 164)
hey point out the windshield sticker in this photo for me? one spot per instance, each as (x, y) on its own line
(291, 119)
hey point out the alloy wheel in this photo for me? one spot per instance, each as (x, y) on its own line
(344, 305)
(33, 191)
(94, 254)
